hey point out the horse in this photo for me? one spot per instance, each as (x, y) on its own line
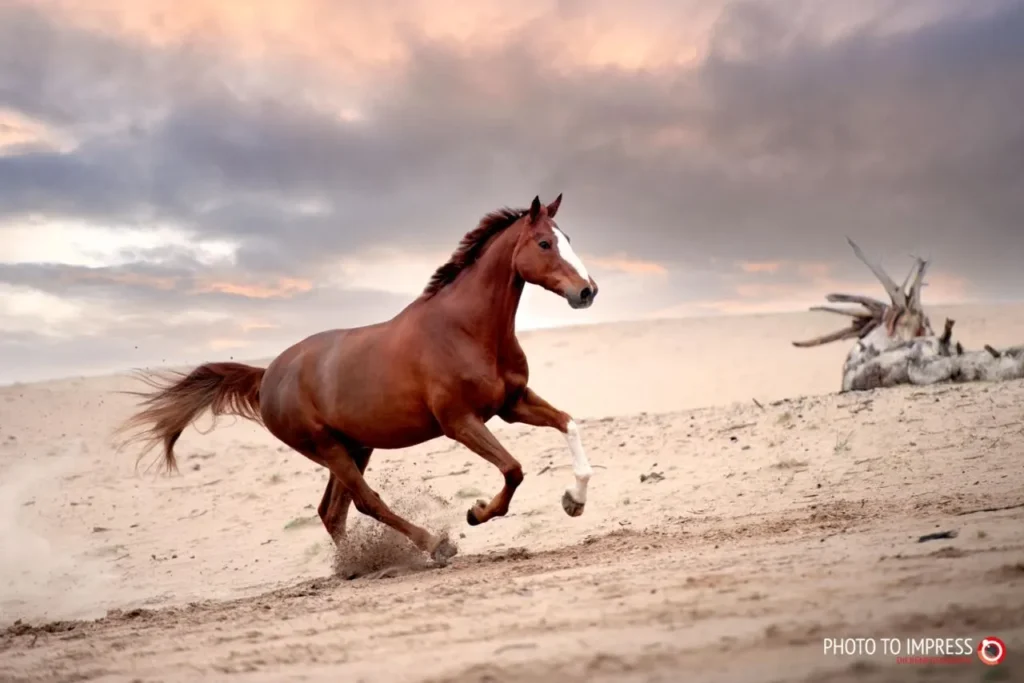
(442, 366)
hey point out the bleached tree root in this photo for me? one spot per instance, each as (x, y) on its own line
(896, 345)
(930, 360)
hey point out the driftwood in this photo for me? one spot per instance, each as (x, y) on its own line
(896, 344)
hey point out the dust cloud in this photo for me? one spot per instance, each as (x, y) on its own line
(46, 575)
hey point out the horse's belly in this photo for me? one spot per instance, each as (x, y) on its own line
(386, 424)
(402, 421)
(394, 436)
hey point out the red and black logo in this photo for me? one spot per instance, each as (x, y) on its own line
(991, 651)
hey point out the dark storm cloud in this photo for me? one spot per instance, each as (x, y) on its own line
(907, 140)
(772, 148)
(902, 141)
(59, 74)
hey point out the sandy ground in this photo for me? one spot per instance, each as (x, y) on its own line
(766, 528)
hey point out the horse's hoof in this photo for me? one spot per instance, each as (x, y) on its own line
(571, 507)
(473, 513)
(444, 551)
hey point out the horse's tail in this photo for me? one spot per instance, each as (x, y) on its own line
(178, 399)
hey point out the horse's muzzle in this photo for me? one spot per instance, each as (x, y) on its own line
(582, 298)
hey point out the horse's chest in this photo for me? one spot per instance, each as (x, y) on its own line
(489, 384)
(494, 391)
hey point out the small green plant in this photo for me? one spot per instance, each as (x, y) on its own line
(789, 464)
(300, 522)
(843, 443)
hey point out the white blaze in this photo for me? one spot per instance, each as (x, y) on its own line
(568, 255)
(580, 465)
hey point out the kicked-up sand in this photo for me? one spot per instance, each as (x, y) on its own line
(741, 513)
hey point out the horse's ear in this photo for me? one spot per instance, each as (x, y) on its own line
(553, 206)
(535, 209)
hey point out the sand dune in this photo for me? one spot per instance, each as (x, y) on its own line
(765, 528)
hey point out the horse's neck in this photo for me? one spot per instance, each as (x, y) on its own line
(486, 298)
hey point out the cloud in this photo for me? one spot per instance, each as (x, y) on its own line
(622, 263)
(241, 163)
(283, 287)
(113, 328)
(792, 286)
(760, 266)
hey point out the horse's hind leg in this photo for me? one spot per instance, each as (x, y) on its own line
(346, 472)
(334, 505)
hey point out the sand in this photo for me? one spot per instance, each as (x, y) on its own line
(766, 528)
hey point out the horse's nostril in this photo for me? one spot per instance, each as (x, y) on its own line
(585, 294)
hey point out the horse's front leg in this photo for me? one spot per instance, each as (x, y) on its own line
(471, 432)
(531, 409)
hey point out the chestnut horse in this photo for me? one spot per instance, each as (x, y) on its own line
(444, 365)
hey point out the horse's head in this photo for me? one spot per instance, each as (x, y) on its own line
(544, 257)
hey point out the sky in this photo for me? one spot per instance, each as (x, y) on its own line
(185, 181)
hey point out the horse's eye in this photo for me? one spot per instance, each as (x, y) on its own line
(545, 244)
